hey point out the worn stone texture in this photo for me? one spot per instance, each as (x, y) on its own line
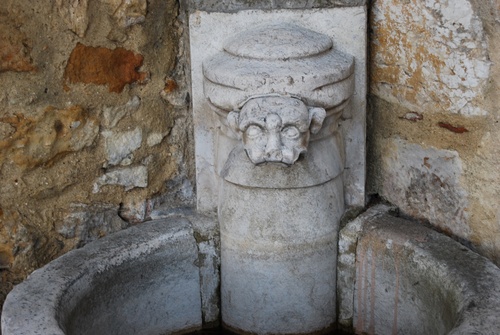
(121, 146)
(53, 147)
(75, 14)
(82, 224)
(434, 83)
(426, 183)
(430, 55)
(53, 134)
(238, 5)
(129, 177)
(130, 12)
(139, 271)
(207, 235)
(400, 277)
(14, 48)
(208, 36)
(346, 263)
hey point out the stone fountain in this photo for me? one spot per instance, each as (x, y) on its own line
(279, 89)
(279, 113)
(273, 104)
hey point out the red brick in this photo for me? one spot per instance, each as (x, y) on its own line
(102, 66)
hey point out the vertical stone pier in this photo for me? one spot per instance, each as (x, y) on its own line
(271, 159)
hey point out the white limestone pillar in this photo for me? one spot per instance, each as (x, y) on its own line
(279, 91)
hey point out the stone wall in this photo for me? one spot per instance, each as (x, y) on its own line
(434, 125)
(94, 123)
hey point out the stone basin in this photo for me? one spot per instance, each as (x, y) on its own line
(143, 280)
(161, 277)
(400, 277)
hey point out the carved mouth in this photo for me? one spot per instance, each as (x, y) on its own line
(276, 163)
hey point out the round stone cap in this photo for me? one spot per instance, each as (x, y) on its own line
(279, 59)
(278, 41)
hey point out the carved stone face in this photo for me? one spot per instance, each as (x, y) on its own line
(276, 129)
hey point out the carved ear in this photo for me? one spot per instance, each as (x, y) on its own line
(233, 120)
(317, 116)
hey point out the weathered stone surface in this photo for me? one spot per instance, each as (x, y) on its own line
(430, 56)
(130, 12)
(237, 5)
(272, 241)
(85, 224)
(14, 49)
(304, 64)
(121, 145)
(410, 279)
(114, 114)
(140, 271)
(74, 13)
(207, 235)
(278, 216)
(208, 36)
(477, 159)
(102, 66)
(126, 14)
(426, 183)
(136, 211)
(154, 139)
(44, 175)
(275, 128)
(129, 177)
(346, 263)
(57, 132)
(174, 94)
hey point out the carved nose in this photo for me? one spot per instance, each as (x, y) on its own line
(273, 148)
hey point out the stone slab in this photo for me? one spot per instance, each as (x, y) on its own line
(346, 263)
(426, 183)
(140, 280)
(237, 5)
(209, 31)
(206, 233)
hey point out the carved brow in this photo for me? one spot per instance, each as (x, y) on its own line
(248, 122)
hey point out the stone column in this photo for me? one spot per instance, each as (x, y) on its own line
(279, 91)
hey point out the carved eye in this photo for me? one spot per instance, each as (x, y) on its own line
(290, 132)
(253, 131)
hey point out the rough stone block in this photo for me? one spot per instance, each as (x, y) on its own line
(129, 177)
(430, 55)
(130, 12)
(112, 115)
(44, 139)
(74, 13)
(426, 183)
(84, 224)
(14, 53)
(121, 145)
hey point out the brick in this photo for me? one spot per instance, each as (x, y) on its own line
(102, 66)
